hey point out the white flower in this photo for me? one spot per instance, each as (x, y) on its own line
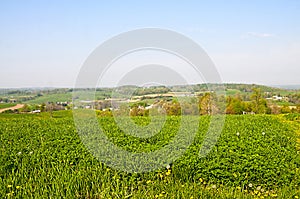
(250, 185)
(263, 133)
(168, 166)
(213, 186)
(31, 152)
(19, 153)
(258, 188)
(238, 134)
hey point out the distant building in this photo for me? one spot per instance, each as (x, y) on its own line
(246, 113)
(275, 97)
(278, 98)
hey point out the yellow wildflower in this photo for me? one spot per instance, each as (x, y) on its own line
(258, 193)
(168, 172)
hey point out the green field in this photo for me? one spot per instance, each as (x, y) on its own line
(57, 97)
(255, 157)
(7, 105)
(233, 92)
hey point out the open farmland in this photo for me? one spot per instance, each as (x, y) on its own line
(6, 105)
(43, 157)
(13, 107)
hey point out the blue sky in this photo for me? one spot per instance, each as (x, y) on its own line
(44, 43)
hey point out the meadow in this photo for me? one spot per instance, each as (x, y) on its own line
(256, 156)
(7, 105)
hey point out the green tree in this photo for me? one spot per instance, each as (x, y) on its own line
(26, 108)
(50, 108)
(285, 109)
(235, 105)
(259, 103)
(172, 108)
(43, 107)
(208, 104)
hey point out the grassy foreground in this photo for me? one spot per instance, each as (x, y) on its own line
(43, 157)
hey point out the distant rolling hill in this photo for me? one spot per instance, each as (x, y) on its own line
(43, 95)
(287, 86)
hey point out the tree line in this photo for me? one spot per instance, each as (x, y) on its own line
(209, 104)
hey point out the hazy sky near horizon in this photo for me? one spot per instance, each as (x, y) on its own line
(45, 43)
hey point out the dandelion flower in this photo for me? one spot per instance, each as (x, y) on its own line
(258, 194)
(168, 172)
